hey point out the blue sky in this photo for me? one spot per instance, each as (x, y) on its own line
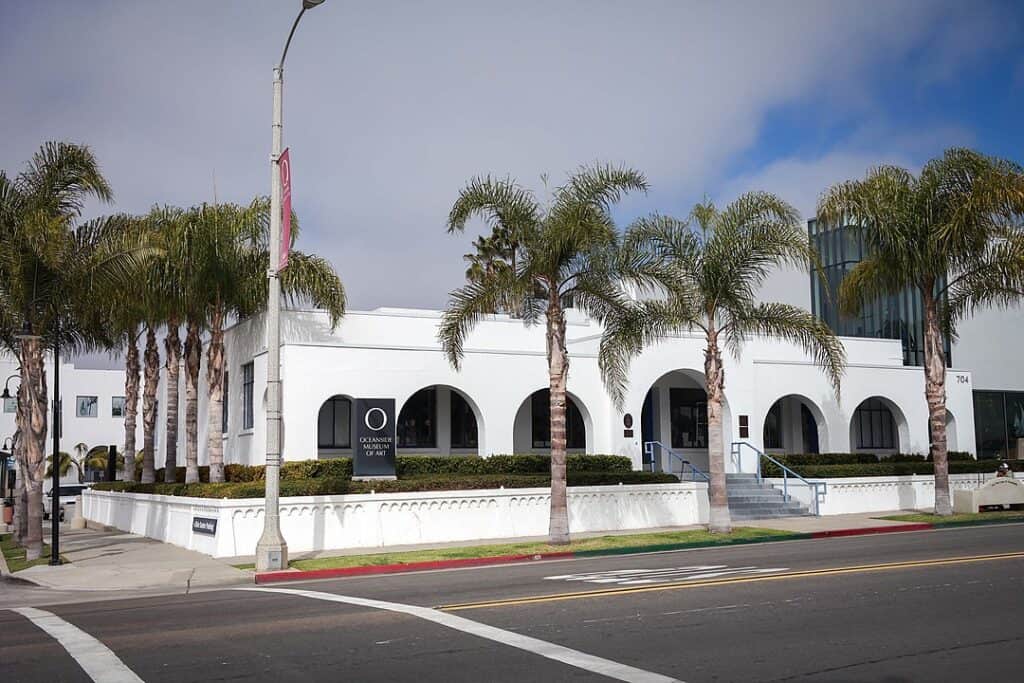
(390, 107)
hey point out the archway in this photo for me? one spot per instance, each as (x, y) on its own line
(334, 429)
(795, 424)
(878, 426)
(439, 419)
(675, 414)
(532, 426)
(951, 438)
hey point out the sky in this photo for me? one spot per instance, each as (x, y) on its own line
(391, 107)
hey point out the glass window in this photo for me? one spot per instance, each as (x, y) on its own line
(248, 375)
(87, 406)
(224, 402)
(333, 423)
(990, 424)
(689, 418)
(417, 422)
(463, 422)
(773, 427)
(10, 405)
(117, 406)
(874, 426)
(540, 409)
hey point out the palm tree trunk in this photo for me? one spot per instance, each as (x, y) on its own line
(152, 373)
(558, 369)
(131, 404)
(215, 383)
(719, 521)
(172, 346)
(935, 394)
(33, 430)
(193, 359)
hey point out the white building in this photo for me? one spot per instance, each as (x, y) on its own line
(495, 403)
(93, 407)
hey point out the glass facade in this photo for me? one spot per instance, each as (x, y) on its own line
(999, 424)
(689, 417)
(897, 316)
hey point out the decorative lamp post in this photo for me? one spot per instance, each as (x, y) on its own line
(271, 550)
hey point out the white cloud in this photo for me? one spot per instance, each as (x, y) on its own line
(390, 107)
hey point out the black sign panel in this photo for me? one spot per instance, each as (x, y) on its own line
(204, 525)
(374, 452)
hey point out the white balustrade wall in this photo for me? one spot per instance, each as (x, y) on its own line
(848, 495)
(387, 519)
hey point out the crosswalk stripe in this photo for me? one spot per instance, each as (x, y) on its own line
(581, 660)
(95, 658)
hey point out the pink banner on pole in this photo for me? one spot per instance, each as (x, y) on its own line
(285, 165)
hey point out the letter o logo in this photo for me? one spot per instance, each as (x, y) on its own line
(383, 419)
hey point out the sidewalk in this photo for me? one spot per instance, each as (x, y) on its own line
(116, 561)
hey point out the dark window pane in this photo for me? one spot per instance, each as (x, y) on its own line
(990, 422)
(225, 400)
(333, 423)
(248, 374)
(773, 427)
(540, 419)
(463, 422)
(417, 423)
(688, 413)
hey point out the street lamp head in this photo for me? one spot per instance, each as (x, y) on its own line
(7, 394)
(310, 4)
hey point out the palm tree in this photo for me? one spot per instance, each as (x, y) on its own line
(566, 256)
(52, 274)
(953, 235)
(712, 266)
(67, 462)
(234, 256)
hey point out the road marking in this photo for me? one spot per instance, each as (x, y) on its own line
(95, 658)
(640, 577)
(580, 660)
(532, 599)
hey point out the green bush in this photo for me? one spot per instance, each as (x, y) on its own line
(802, 462)
(337, 485)
(884, 469)
(416, 465)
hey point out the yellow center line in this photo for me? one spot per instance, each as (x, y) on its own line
(833, 571)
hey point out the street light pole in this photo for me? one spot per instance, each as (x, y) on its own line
(55, 464)
(272, 550)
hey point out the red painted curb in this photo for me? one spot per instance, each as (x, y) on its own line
(305, 575)
(893, 528)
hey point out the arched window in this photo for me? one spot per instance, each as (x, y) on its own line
(540, 408)
(334, 423)
(874, 426)
(463, 422)
(417, 423)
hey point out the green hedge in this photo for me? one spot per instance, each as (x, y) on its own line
(795, 460)
(420, 465)
(337, 485)
(883, 469)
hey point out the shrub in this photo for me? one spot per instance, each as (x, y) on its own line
(884, 469)
(417, 465)
(338, 485)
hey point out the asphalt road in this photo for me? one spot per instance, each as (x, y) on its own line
(929, 606)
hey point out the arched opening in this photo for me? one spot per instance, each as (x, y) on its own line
(439, 420)
(794, 424)
(877, 427)
(675, 414)
(334, 428)
(951, 440)
(532, 427)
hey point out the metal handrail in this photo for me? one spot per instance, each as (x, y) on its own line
(649, 447)
(820, 488)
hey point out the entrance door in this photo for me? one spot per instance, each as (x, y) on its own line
(647, 427)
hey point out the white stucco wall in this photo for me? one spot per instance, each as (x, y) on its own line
(383, 520)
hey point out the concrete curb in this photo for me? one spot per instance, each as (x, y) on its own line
(368, 570)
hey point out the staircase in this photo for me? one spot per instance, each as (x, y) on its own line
(751, 499)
